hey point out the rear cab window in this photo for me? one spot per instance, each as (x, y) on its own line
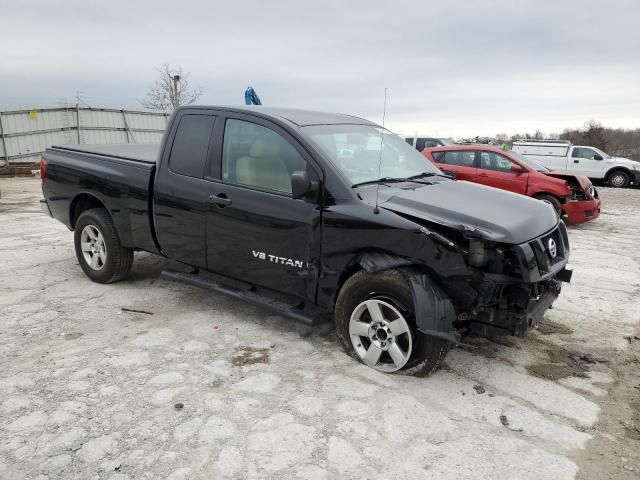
(191, 145)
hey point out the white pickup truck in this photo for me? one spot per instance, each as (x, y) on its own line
(581, 160)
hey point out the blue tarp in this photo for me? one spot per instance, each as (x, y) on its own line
(251, 97)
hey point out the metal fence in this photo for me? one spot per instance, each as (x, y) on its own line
(25, 134)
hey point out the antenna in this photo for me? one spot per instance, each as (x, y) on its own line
(384, 114)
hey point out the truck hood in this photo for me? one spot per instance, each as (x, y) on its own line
(494, 214)
(624, 162)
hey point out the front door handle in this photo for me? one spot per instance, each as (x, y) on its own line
(483, 174)
(576, 161)
(221, 200)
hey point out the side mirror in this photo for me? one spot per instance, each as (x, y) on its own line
(597, 157)
(300, 184)
(517, 169)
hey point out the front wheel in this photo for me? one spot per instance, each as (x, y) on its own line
(375, 324)
(619, 179)
(98, 249)
(555, 203)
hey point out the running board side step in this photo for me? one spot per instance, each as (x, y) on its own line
(309, 316)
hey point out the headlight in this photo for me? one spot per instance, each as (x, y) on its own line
(478, 255)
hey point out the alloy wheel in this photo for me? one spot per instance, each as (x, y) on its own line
(380, 335)
(93, 247)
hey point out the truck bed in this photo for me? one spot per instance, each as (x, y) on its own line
(144, 152)
(116, 177)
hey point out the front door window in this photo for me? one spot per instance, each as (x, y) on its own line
(257, 156)
(586, 153)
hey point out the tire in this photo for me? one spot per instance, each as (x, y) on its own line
(555, 203)
(388, 289)
(618, 179)
(104, 259)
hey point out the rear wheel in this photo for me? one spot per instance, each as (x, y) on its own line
(98, 249)
(618, 179)
(375, 324)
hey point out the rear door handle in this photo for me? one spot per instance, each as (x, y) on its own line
(483, 174)
(221, 200)
(576, 161)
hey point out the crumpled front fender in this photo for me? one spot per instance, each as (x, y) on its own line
(433, 309)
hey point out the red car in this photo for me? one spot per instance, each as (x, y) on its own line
(571, 195)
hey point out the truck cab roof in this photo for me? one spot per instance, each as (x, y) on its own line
(294, 116)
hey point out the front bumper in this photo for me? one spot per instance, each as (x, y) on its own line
(581, 211)
(517, 310)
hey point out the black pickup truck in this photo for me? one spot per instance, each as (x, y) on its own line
(316, 215)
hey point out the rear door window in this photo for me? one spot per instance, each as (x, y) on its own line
(461, 158)
(191, 145)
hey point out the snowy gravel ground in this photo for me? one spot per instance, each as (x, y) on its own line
(205, 386)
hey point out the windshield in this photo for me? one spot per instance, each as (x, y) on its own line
(356, 151)
(530, 161)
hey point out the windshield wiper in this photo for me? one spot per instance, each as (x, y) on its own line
(381, 180)
(422, 175)
(429, 174)
(412, 178)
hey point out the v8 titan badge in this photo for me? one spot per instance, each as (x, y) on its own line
(280, 260)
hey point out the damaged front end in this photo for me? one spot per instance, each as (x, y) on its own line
(499, 258)
(511, 286)
(505, 291)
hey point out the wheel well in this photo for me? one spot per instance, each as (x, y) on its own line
(383, 260)
(541, 195)
(80, 204)
(344, 276)
(616, 169)
(546, 194)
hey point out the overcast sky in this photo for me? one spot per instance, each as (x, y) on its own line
(459, 68)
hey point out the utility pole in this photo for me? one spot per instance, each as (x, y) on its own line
(78, 116)
(176, 95)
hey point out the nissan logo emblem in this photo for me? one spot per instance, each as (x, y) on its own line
(553, 249)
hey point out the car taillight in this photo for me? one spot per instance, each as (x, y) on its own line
(43, 169)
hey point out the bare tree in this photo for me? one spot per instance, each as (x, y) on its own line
(616, 141)
(170, 90)
(593, 133)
